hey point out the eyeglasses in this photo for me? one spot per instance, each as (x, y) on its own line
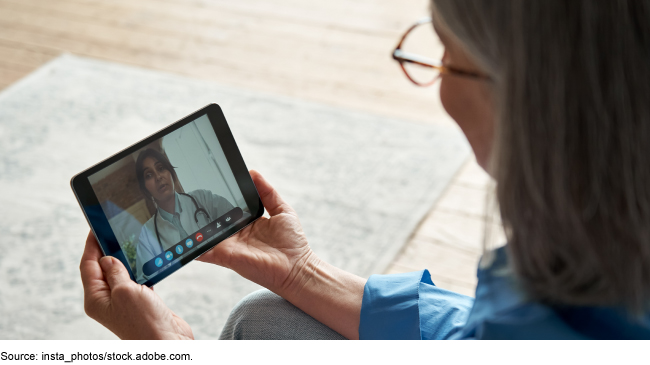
(423, 70)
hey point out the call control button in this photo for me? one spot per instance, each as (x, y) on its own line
(199, 237)
(179, 249)
(189, 243)
(159, 262)
(169, 256)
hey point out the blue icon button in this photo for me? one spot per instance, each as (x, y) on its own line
(169, 256)
(159, 262)
(179, 249)
(189, 243)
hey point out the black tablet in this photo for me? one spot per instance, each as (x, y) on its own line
(169, 198)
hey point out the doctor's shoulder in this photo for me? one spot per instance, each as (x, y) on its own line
(204, 196)
(148, 225)
(209, 199)
(147, 236)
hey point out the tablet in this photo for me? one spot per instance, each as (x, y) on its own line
(169, 198)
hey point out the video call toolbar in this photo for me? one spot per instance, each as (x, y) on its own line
(189, 243)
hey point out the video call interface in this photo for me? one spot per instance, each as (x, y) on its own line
(170, 197)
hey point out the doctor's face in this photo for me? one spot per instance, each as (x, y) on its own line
(157, 179)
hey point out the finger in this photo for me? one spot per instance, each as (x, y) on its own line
(270, 197)
(89, 266)
(92, 250)
(114, 272)
(96, 291)
(213, 256)
(222, 252)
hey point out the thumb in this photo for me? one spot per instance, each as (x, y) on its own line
(114, 271)
(271, 199)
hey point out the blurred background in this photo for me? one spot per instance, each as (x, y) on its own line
(335, 52)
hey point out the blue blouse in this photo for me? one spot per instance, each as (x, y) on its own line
(410, 307)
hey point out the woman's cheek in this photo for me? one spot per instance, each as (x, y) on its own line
(456, 104)
(465, 103)
(151, 188)
(444, 96)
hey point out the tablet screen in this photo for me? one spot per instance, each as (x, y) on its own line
(167, 199)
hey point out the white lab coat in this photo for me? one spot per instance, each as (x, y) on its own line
(148, 246)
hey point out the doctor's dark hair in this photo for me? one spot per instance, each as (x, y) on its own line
(571, 155)
(139, 168)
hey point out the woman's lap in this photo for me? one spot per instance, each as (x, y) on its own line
(263, 315)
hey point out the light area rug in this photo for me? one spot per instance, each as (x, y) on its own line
(360, 183)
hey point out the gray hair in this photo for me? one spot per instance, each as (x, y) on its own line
(572, 145)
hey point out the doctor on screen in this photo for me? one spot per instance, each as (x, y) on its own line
(177, 214)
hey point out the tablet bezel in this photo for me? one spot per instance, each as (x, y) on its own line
(99, 223)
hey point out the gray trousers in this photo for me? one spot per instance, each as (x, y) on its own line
(263, 315)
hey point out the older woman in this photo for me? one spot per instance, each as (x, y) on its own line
(552, 96)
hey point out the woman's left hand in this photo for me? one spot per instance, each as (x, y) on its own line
(129, 310)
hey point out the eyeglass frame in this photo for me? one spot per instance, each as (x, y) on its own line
(401, 57)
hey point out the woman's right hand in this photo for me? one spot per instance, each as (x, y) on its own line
(272, 252)
(129, 310)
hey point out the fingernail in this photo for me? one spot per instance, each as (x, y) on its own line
(106, 263)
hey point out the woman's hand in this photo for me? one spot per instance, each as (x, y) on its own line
(129, 310)
(272, 252)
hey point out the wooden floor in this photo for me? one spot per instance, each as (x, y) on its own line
(335, 52)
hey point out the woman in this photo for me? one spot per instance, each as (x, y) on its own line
(177, 215)
(552, 96)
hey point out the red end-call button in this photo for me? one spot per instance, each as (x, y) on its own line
(199, 237)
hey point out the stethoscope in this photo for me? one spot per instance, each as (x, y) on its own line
(196, 218)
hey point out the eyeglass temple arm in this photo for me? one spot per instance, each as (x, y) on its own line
(402, 56)
(419, 22)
